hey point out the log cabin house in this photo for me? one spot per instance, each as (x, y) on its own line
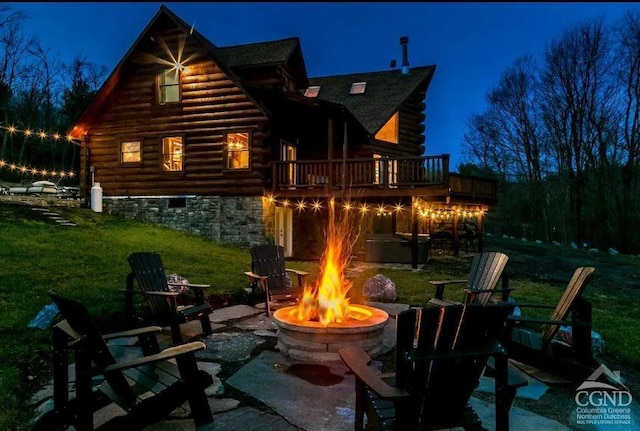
(239, 145)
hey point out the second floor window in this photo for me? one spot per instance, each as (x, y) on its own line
(172, 154)
(169, 86)
(237, 151)
(130, 152)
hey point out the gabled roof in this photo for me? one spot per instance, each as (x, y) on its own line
(274, 52)
(384, 93)
(283, 52)
(110, 83)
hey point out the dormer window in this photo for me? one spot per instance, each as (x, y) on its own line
(312, 91)
(169, 86)
(358, 88)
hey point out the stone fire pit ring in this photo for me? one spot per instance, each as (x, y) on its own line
(311, 342)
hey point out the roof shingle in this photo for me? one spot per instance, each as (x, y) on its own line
(262, 53)
(384, 93)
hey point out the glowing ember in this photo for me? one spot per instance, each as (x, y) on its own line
(327, 301)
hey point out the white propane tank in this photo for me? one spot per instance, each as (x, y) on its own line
(96, 198)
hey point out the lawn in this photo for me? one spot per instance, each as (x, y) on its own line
(88, 262)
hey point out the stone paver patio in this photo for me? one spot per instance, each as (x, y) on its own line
(266, 390)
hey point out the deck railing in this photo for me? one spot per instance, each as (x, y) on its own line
(378, 172)
(472, 186)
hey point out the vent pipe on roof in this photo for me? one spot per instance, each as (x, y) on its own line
(404, 41)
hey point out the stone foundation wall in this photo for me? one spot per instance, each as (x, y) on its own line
(238, 220)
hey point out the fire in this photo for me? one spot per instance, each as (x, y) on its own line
(327, 301)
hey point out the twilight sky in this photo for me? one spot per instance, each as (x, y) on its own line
(471, 44)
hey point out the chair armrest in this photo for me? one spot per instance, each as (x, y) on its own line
(157, 293)
(357, 361)
(255, 276)
(132, 332)
(297, 272)
(441, 284)
(532, 305)
(467, 290)
(513, 319)
(171, 352)
(195, 286)
(199, 286)
(445, 282)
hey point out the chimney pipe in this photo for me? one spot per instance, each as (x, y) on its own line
(404, 41)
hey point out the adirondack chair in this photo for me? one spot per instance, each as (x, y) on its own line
(148, 271)
(268, 272)
(146, 388)
(537, 347)
(486, 269)
(441, 353)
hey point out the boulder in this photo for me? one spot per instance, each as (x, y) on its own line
(379, 288)
(177, 283)
(613, 252)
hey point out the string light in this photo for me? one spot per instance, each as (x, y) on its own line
(424, 210)
(316, 206)
(42, 134)
(300, 205)
(35, 171)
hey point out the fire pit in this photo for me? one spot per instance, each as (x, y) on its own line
(324, 321)
(311, 341)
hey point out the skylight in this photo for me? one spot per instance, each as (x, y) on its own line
(312, 91)
(358, 88)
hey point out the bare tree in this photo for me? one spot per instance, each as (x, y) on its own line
(627, 54)
(576, 107)
(13, 51)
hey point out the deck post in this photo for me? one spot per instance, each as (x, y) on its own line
(414, 235)
(456, 237)
(344, 158)
(479, 231)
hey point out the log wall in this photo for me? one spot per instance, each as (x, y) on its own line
(411, 128)
(211, 105)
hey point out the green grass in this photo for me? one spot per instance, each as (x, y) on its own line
(88, 262)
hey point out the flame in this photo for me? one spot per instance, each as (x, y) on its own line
(327, 301)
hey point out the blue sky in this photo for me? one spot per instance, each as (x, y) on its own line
(471, 44)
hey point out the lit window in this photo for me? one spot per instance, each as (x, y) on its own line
(312, 91)
(389, 132)
(172, 154)
(169, 86)
(238, 151)
(131, 152)
(358, 88)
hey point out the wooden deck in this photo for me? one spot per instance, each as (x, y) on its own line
(426, 176)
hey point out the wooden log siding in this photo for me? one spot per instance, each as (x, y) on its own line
(211, 106)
